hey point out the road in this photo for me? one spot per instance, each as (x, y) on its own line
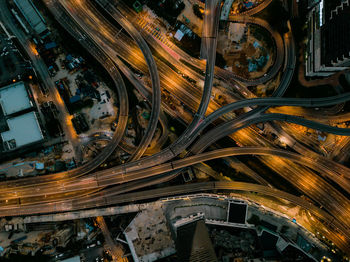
(156, 99)
(115, 171)
(42, 69)
(335, 203)
(100, 181)
(288, 70)
(337, 238)
(161, 157)
(170, 152)
(43, 73)
(115, 249)
(74, 30)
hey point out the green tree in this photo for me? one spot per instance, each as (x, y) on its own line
(197, 11)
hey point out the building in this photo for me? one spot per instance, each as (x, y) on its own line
(46, 226)
(311, 3)
(328, 46)
(149, 239)
(193, 243)
(62, 237)
(19, 123)
(14, 99)
(275, 246)
(72, 259)
(23, 130)
(32, 16)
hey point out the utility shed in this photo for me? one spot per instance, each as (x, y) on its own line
(32, 15)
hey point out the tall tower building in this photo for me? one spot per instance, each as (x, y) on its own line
(328, 47)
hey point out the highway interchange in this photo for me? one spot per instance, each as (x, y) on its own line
(81, 188)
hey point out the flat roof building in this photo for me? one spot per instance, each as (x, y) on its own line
(12, 63)
(72, 259)
(14, 98)
(32, 15)
(193, 243)
(23, 130)
(19, 123)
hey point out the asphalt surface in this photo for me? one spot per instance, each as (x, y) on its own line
(67, 198)
(43, 73)
(226, 128)
(341, 242)
(66, 185)
(156, 99)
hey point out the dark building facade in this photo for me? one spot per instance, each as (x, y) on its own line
(328, 46)
(193, 243)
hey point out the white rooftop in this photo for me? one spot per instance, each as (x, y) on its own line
(72, 259)
(14, 98)
(179, 35)
(24, 129)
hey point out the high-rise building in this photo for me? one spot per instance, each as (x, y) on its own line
(328, 46)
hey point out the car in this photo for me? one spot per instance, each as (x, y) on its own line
(91, 246)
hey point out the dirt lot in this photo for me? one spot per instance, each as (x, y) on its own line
(247, 50)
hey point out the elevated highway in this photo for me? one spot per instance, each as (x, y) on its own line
(336, 236)
(9, 186)
(61, 200)
(255, 10)
(156, 99)
(109, 66)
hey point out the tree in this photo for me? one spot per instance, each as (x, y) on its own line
(220, 60)
(197, 11)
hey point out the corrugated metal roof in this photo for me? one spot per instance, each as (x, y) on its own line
(32, 15)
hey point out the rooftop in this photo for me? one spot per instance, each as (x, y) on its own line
(72, 259)
(193, 243)
(335, 37)
(32, 15)
(23, 130)
(14, 98)
(148, 235)
(237, 212)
